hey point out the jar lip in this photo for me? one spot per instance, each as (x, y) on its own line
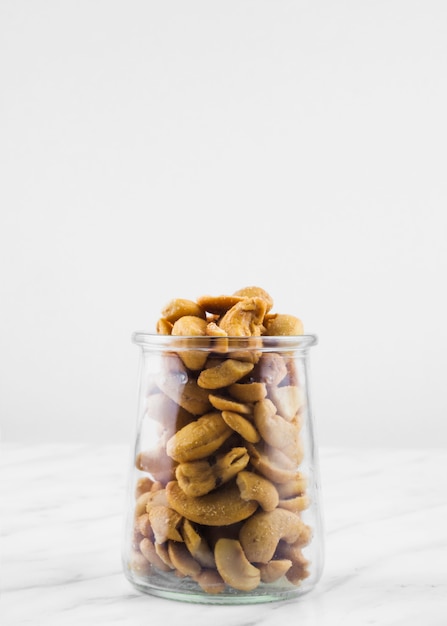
(265, 343)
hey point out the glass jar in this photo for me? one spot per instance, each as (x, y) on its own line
(223, 500)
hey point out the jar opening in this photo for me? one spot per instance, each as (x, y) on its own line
(265, 343)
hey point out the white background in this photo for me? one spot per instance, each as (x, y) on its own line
(160, 149)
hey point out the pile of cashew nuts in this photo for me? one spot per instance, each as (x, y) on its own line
(219, 497)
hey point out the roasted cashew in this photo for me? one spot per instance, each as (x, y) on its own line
(229, 465)
(144, 484)
(261, 533)
(196, 478)
(270, 369)
(234, 567)
(197, 545)
(175, 381)
(156, 498)
(139, 564)
(191, 326)
(255, 487)
(218, 338)
(273, 570)
(213, 330)
(299, 569)
(147, 548)
(177, 308)
(165, 522)
(245, 318)
(272, 463)
(162, 551)
(182, 560)
(210, 581)
(218, 508)
(241, 425)
(280, 325)
(223, 403)
(294, 487)
(143, 525)
(223, 374)
(274, 429)
(248, 392)
(218, 304)
(167, 413)
(287, 399)
(140, 504)
(198, 439)
(156, 463)
(296, 504)
(295, 449)
(256, 292)
(163, 327)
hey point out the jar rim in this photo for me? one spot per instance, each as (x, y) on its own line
(267, 343)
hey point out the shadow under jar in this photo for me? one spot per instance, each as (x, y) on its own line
(223, 503)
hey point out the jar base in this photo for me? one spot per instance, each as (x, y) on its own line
(187, 590)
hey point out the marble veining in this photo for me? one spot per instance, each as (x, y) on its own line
(61, 508)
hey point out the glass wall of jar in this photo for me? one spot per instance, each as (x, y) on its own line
(223, 503)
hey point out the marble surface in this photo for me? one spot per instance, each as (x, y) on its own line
(61, 511)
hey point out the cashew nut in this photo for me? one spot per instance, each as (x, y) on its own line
(196, 478)
(210, 581)
(280, 324)
(245, 318)
(163, 327)
(182, 560)
(256, 292)
(296, 504)
(148, 550)
(270, 369)
(156, 463)
(175, 381)
(273, 570)
(156, 498)
(139, 564)
(198, 439)
(272, 463)
(255, 487)
(161, 550)
(274, 429)
(261, 533)
(144, 484)
(218, 508)
(177, 308)
(294, 487)
(197, 545)
(248, 392)
(287, 399)
(233, 566)
(222, 403)
(166, 412)
(191, 326)
(213, 330)
(143, 525)
(218, 304)
(140, 504)
(165, 522)
(299, 569)
(223, 374)
(241, 425)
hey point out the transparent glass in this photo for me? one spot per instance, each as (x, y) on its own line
(223, 502)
